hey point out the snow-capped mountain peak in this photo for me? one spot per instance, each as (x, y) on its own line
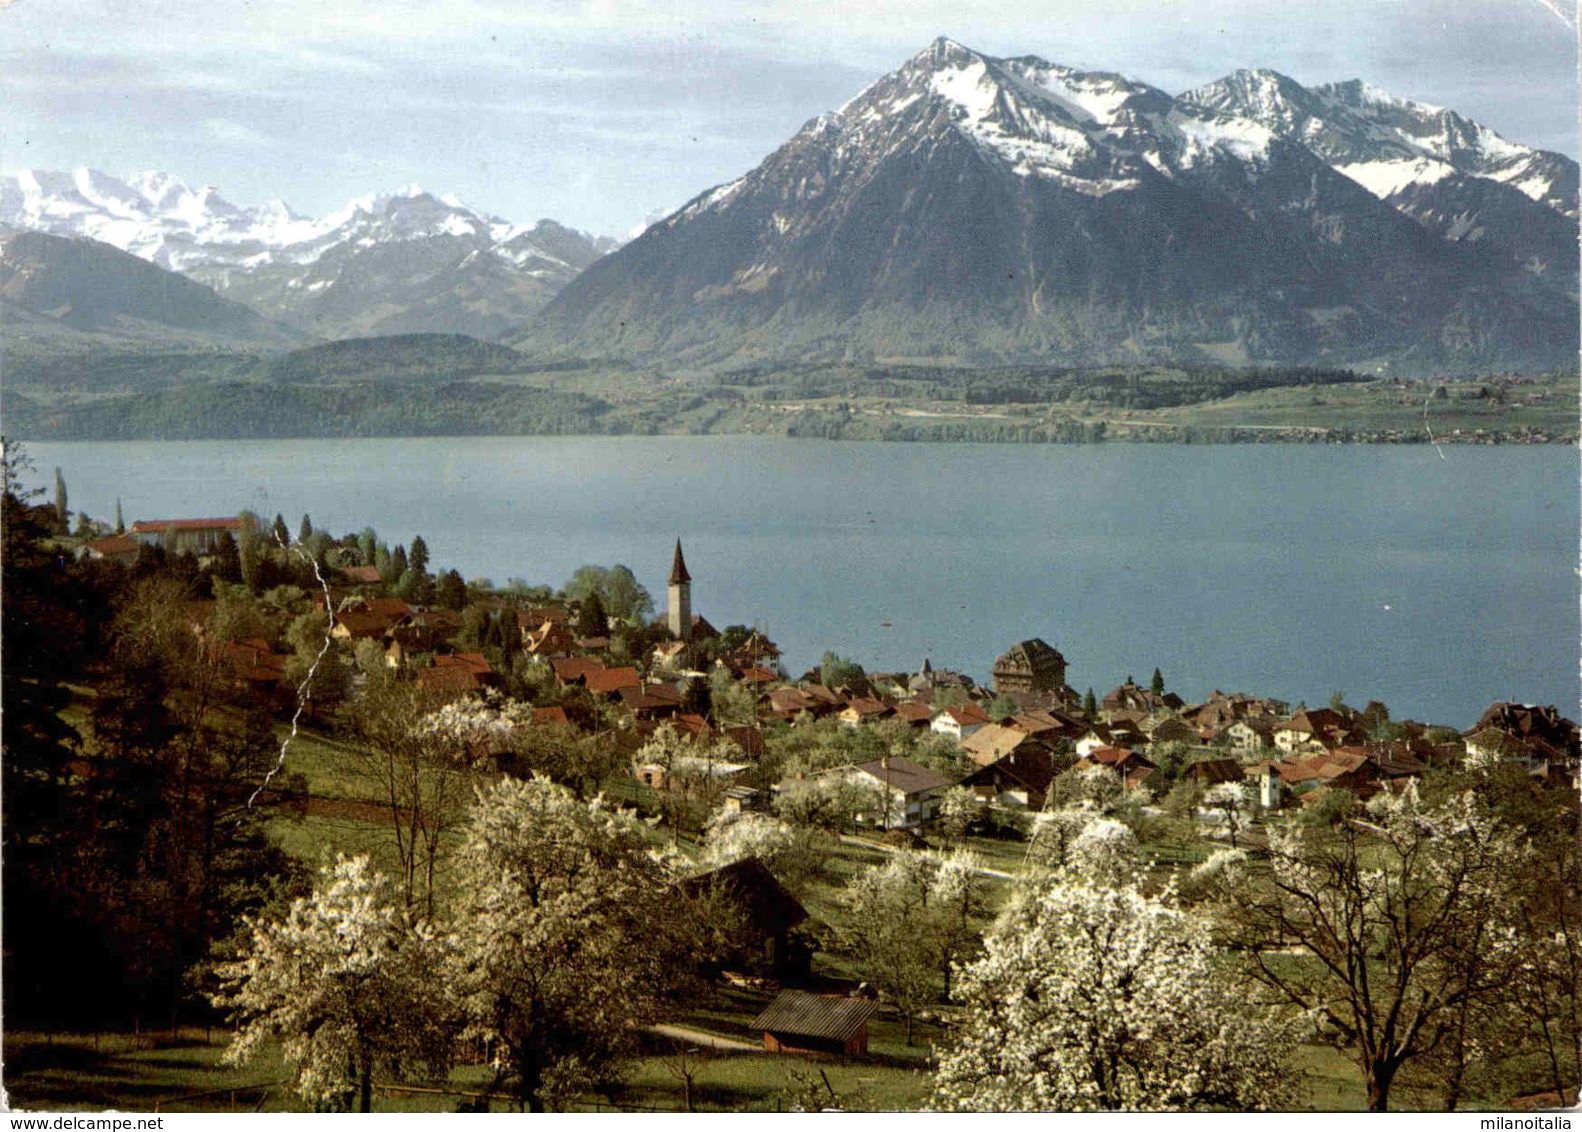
(1390, 144)
(289, 265)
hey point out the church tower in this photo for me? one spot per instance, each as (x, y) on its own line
(679, 600)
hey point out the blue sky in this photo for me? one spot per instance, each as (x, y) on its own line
(599, 112)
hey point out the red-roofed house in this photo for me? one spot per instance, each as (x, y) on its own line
(610, 681)
(117, 548)
(960, 721)
(199, 536)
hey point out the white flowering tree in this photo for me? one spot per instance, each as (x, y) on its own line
(910, 920)
(1228, 802)
(1093, 995)
(1410, 917)
(958, 808)
(348, 988)
(564, 938)
(791, 852)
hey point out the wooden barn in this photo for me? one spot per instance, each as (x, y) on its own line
(767, 911)
(799, 1022)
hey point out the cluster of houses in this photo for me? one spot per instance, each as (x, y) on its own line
(1038, 730)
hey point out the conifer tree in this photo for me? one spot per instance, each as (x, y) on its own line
(120, 524)
(418, 558)
(60, 500)
(305, 531)
(1158, 684)
(282, 533)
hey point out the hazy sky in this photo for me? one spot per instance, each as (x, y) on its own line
(597, 113)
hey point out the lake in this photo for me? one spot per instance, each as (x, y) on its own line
(1436, 582)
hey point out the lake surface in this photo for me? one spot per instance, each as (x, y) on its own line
(1436, 583)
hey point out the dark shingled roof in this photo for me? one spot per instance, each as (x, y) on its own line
(678, 568)
(814, 1016)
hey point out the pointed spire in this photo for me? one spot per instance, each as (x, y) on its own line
(678, 568)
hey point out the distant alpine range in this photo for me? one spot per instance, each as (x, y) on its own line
(402, 263)
(962, 209)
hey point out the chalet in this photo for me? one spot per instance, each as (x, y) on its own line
(788, 703)
(757, 651)
(1251, 734)
(913, 790)
(1046, 725)
(117, 548)
(196, 536)
(359, 625)
(1020, 780)
(448, 678)
(1093, 738)
(1133, 768)
(994, 742)
(914, 714)
(551, 639)
(610, 681)
(669, 654)
(863, 710)
(651, 701)
(460, 672)
(571, 670)
(1031, 666)
(1173, 730)
(1129, 697)
(766, 914)
(407, 640)
(1536, 737)
(1211, 772)
(799, 1022)
(960, 720)
(1312, 732)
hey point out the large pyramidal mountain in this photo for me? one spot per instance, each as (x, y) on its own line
(977, 209)
(398, 263)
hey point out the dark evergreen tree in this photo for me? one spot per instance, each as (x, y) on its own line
(592, 620)
(1157, 686)
(398, 564)
(451, 592)
(305, 531)
(120, 524)
(418, 558)
(226, 563)
(282, 533)
(61, 513)
(1090, 705)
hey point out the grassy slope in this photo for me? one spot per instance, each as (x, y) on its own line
(84, 1072)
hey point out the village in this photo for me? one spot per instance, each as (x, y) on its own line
(1010, 739)
(777, 798)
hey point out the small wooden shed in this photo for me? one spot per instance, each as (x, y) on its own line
(799, 1022)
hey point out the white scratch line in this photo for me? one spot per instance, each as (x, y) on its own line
(1567, 18)
(302, 688)
(1426, 425)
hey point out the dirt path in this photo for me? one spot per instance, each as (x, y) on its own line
(699, 1037)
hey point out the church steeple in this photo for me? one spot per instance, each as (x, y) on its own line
(678, 568)
(679, 599)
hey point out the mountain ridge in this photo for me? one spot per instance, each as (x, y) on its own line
(403, 262)
(988, 209)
